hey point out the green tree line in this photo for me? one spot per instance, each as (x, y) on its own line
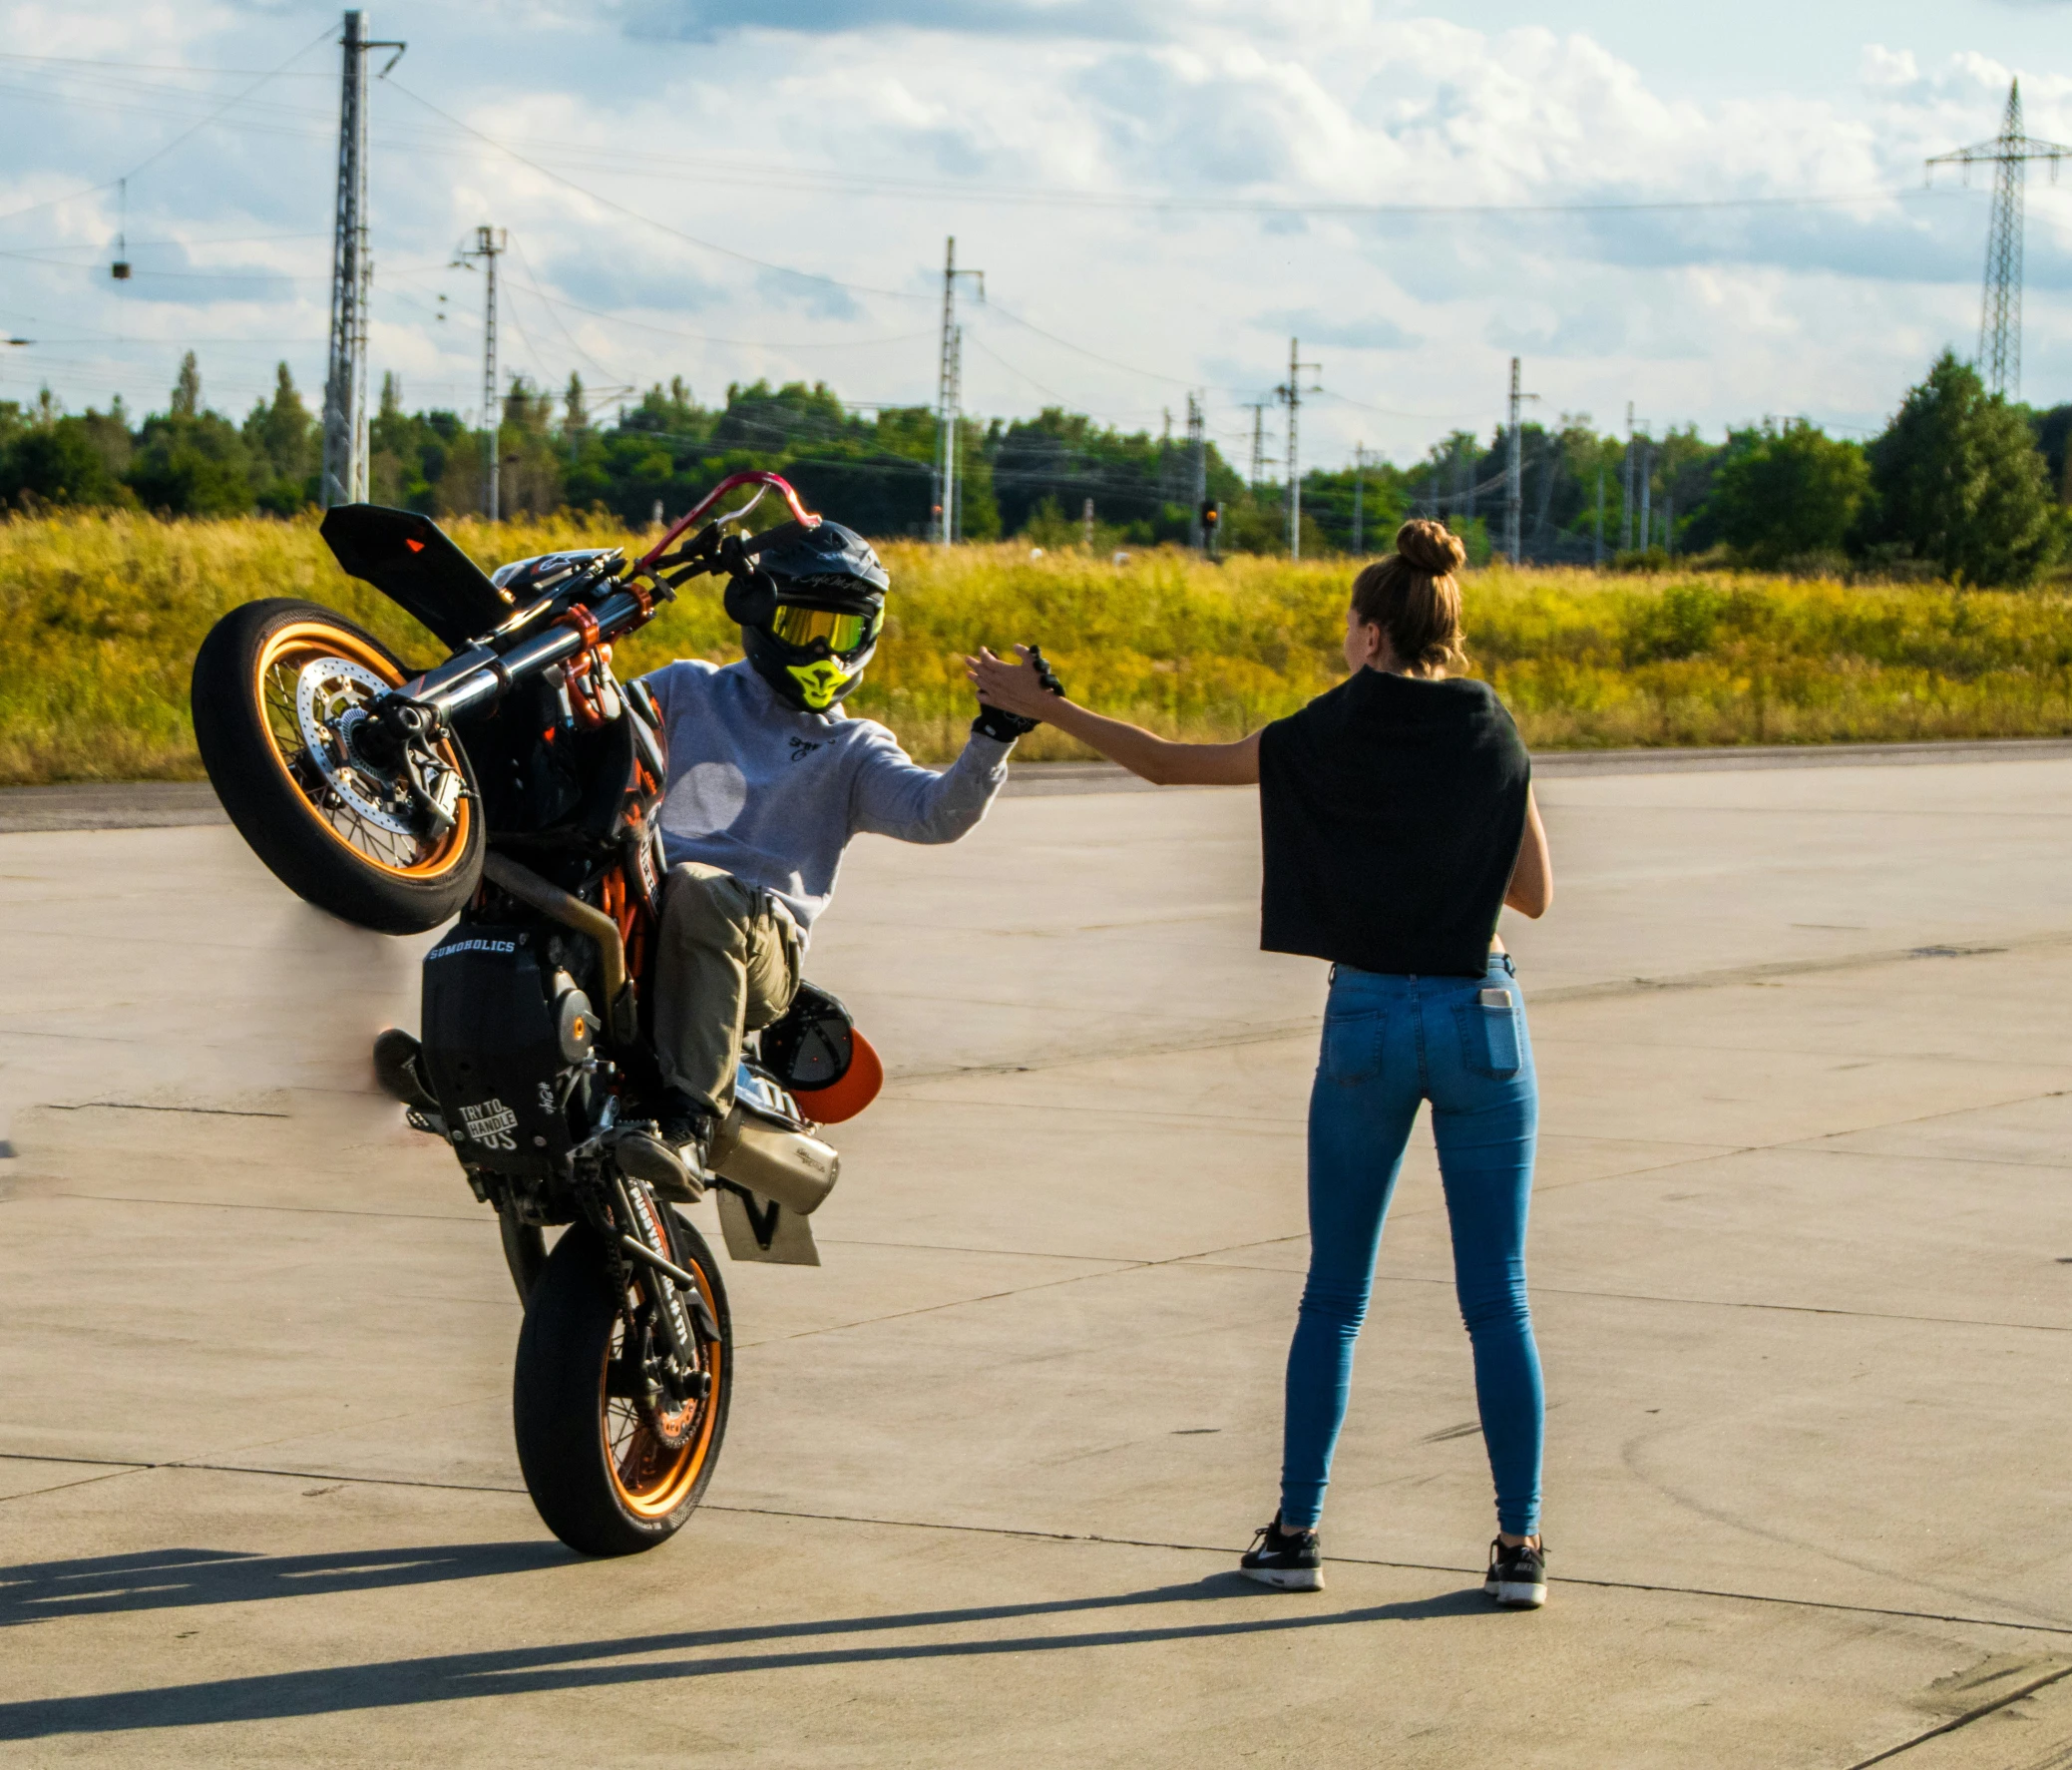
(1961, 484)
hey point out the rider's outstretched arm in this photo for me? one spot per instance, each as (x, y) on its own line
(1159, 760)
(891, 795)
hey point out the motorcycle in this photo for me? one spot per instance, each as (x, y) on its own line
(516, 787)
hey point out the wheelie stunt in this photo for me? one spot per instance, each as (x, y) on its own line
(617, 1022)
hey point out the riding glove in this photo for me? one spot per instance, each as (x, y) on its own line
(997, 723)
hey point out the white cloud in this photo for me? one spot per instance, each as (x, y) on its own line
(850, 142)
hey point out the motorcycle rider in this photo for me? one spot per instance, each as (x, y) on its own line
(768, 781)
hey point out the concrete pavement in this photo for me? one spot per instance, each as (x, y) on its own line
(1802, 1269)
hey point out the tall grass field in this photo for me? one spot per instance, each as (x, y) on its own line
(99, 617)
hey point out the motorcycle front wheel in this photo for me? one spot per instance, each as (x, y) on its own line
(606, 1476)
(276, 684)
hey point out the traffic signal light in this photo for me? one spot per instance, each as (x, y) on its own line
(1211, 514)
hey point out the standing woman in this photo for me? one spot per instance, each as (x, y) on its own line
(1398, 818)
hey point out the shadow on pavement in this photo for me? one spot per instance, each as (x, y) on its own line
(172, 1578)
(449, 1677)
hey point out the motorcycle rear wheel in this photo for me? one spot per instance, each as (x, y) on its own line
(602, 1481)
(253, 675)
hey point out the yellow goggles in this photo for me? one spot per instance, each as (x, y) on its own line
(795, 624)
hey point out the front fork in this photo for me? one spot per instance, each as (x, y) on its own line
(644, 1242)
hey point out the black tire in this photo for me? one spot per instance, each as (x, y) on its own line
(294, 816)
(565, 1421)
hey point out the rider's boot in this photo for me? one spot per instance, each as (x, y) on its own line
(673, 1157)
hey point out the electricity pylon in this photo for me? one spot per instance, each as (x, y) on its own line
(2000, 312)
(1515, 470)
(1198, 459)
(490, 244)
(1290, 393)
(949, 393)
(1257, 407)
(352, 277)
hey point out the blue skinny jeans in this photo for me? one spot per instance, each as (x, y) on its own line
(1389, 1044)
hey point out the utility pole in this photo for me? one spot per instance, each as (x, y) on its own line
(1257, 407)
(1597, 553)
(1291, 394)
(2000, 312)
(1087, 524)
(1198, 443)
(1647, 475)
(353, 280)
(953, 507)
(949, 394)
(489, 242)
(1626, 490)
(1514, 471)
(1359, 485)
(1513, 474)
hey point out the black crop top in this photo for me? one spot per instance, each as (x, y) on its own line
(1392, 809)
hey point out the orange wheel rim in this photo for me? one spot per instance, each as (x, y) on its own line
(653, 1480)
(281, 663)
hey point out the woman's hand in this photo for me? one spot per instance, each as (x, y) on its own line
(1013, 688)
(1017, 688)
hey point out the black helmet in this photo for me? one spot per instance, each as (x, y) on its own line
(811, 602)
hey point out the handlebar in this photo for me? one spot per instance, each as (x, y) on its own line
(465, 682)
(765, 481)
(480, 674)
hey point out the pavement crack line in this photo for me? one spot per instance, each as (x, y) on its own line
(1275, 1031)
(1559, 1290)
(1839, 962)
(1269, 1034)
(1026, 1534)
(1115, 1270)
(142, 1107)
(303, 1211)
(86, 1481)
(943, 1247)
(1964, 1720)
(1701, 1591)
(1214, 1263)
(118, 1467)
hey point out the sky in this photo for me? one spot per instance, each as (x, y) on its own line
(1713, 220)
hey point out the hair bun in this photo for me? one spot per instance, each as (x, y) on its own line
(1431, 547)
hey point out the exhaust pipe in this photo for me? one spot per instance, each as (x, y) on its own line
(795, 1170)
(571, 911)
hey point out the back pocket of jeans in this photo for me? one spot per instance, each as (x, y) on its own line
(1352, 1046)
(1489, 1038)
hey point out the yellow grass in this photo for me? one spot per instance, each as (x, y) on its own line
(103, 613)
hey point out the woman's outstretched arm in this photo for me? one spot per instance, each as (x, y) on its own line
(1013, 687)
(1533, 879)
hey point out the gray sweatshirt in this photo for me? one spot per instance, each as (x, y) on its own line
(773, 795)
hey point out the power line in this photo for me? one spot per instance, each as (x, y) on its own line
(650, 220)
(741, 343)
(764, 172)
(80, 61)
(530, 284)
(1391, 411)
(151, 159)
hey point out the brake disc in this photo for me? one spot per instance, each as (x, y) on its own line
(330, 693)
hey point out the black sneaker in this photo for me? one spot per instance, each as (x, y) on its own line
(1517, 1577)
(1290, 1560)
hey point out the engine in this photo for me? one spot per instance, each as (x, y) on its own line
(506, 1035)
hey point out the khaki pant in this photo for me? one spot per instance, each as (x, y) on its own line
(728, 964)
